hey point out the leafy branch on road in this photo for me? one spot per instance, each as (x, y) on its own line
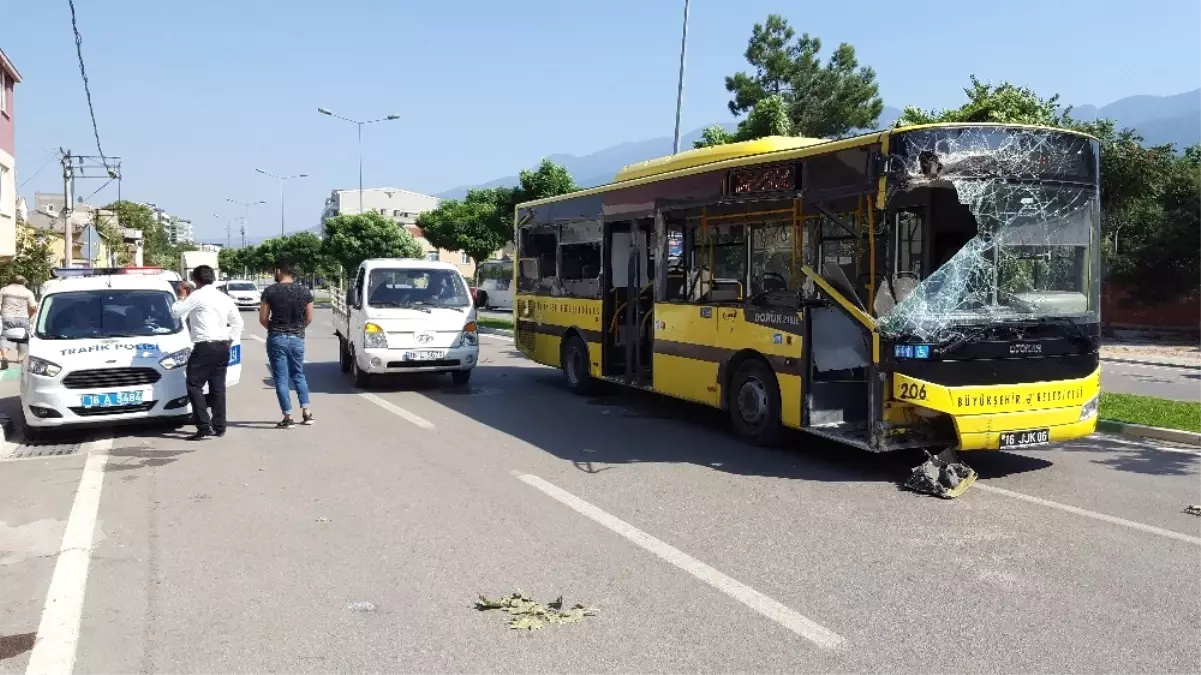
(529, 615)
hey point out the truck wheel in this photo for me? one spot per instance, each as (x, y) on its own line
(360, 377)
(753, 398)
(460, 377)
(481, 299)
(575, 361)
(343, 355)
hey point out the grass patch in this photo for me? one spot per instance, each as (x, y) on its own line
(489, 322)
(1151, 412)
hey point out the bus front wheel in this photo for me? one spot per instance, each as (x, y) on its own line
(754, 401)
(574, 359)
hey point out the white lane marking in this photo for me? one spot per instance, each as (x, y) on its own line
(58, 633)
(260, 339)
(748, 596)
(1114, 520)
(398, 411)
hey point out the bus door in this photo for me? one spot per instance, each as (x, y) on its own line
(685, 319)
(628, 338)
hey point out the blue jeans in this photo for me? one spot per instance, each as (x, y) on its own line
(286, 354)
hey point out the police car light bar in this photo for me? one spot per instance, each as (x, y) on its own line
(77, 272)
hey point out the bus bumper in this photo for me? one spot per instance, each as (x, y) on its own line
(1014, 431)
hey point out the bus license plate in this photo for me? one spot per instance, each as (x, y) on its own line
(425, 355)
(111, 400)
(1025, 439)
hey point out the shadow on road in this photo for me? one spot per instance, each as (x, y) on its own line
(618, 426)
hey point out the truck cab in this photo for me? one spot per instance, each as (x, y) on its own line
(405, 316)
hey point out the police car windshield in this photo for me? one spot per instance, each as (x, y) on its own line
(106, 313)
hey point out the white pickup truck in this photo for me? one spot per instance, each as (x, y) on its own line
(400, 315)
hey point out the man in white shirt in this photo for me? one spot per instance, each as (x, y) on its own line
(213, 321)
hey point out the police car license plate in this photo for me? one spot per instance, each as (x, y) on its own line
(111, 399)
(425, 355)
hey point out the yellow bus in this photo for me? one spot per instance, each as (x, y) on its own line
(932, 286)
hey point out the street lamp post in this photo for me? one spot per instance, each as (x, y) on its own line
(246, 217)
(389, 118)
(680, 89)
(227, 233)
(281, 193)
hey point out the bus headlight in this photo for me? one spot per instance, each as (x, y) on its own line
(471, 335)
(1089, 410)
(374, 337)
(43, 367)
(175, 359)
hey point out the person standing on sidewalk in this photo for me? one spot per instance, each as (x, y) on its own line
(286, 310)
(17, 307)
(213, 321)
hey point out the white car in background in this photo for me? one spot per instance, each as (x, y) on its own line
(104, 349)
(245, 294)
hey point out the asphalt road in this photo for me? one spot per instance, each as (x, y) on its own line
(247, 554)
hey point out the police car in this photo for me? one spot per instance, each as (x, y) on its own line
(104, 349)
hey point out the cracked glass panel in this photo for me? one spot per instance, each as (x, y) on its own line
(1034, 252)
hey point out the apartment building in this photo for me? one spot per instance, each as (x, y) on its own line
(9, 78)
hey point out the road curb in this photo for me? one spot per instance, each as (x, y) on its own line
(1159, 364)
(496, 331)
(1157, 433)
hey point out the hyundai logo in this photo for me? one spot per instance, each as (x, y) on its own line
(425, 338)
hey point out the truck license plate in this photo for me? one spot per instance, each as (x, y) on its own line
(111, 399)
(425, 355)
(1025, 439)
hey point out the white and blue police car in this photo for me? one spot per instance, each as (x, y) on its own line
(104, 349)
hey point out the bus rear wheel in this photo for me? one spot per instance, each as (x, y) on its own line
(754, 401)
(574, 359)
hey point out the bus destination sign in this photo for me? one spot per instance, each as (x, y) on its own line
(765, 179)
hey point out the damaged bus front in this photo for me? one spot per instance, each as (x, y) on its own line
(988, 320)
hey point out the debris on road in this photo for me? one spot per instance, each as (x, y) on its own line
(1193, 509)
(529, 615)
(322, 519)
(361, 606)
(942, 476)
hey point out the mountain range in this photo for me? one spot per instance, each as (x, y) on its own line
(1159, 119)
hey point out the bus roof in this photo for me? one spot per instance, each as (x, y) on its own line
(772, 148)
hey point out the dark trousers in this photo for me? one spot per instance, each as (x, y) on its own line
(207, 365)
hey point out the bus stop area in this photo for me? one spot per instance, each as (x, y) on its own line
(361, 543)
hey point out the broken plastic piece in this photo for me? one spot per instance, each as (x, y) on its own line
(942, 476)
(1193, 509)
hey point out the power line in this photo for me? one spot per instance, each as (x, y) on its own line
(83, 73)
(53, 158)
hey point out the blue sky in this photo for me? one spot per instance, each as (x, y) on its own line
(195, 95)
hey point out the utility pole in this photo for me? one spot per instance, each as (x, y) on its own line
(68, 202)
(680, 91)
(243, 233)
(83, 167)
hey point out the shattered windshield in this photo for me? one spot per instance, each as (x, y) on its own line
(1034, 250)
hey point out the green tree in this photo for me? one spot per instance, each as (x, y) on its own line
(822, 100)
(351, 239)
(34, 258)
(156, 245)
(769, 117)
(482, 222)
(1002, 104)
(474, 225)
(302, 249)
